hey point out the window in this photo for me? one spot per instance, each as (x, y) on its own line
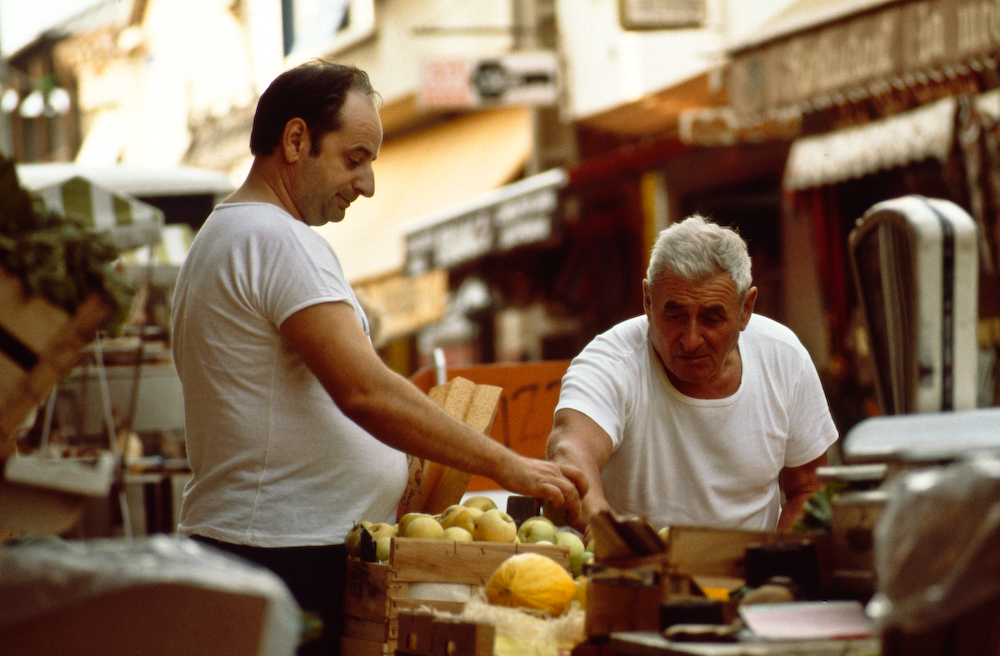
(315, 28)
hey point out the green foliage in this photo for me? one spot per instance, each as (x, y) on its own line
(57, 257)
(818, 510)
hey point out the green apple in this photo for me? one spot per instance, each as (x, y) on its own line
(534, 530)
(424, 527)
(466, 518)
(456, 533)
(447, 518)
(405, 520)
(571, 540)
(484, 503)
(577, 562)
(382, 530)
(382, 548)
(495, 526)
(353, 540)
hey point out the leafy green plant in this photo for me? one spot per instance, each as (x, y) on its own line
(57, 257)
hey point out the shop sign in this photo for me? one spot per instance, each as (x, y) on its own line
(519, 214)
(660, 14)
(874, 47)
(402, 305)
(518, 78)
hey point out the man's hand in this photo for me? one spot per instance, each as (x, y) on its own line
(561, 485)
(577, 441)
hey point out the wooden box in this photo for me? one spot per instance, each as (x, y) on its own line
(377, 592)
(626, 593)
(39, 344)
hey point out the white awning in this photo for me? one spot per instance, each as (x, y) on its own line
(923, 133)
(520, 213)
(128, 222)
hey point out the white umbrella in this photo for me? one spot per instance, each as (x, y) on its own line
(128, 222)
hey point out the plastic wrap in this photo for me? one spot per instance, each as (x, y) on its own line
(937, 544)
(43, 577)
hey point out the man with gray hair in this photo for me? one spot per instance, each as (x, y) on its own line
(698, 412)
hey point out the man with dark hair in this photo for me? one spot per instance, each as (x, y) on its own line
(698, 412)
(295, 428)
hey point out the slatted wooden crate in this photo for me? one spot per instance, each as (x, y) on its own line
(377, 592)
(39, 344)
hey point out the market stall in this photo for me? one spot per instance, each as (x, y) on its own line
(895, 556)
(64, 243)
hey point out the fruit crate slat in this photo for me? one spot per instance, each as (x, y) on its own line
(470, 563)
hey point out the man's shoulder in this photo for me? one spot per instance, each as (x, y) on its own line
(768, 330)
(626, 335)
(248, 213)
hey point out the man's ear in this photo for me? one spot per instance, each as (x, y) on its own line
(747, 309)
(295, 142)
(647, 301)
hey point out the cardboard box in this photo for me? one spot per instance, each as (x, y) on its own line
(376, 593)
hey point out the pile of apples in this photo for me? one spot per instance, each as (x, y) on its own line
(475, 519)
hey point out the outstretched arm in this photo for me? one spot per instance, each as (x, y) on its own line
(330, 341)
(576, 440)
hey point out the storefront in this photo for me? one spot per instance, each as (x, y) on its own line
(891, 99)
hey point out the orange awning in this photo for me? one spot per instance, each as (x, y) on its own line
(425, 171)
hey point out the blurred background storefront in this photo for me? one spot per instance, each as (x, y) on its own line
(534, 149)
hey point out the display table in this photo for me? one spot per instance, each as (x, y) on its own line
(654, 644)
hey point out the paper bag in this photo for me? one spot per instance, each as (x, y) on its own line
(432, 486)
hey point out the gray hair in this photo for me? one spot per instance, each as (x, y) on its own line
(697, 249)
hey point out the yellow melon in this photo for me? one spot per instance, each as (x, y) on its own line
(531, 580)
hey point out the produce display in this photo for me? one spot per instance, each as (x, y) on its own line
(530, 580)
(55, 257)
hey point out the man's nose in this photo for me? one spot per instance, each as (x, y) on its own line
(691, 337)
(365, 182)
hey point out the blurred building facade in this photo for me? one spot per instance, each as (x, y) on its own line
(534, 148)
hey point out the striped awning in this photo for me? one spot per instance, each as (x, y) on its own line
(128, 222)
(923, 133)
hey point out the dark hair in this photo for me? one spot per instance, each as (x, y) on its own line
(315, 92)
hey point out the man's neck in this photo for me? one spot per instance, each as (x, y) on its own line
(260, 187)
(722, 386)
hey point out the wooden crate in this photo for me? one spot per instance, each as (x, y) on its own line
(39, 344)
(377, 592)
(696, 559)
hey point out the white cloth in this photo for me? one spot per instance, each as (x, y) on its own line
(677, 460)
(275, 462)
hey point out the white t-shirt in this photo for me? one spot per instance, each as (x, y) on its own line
(275, 462)
(678, 460)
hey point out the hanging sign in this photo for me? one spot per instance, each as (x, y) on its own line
(518, 78)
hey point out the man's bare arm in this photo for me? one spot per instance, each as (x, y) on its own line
(329, 339)
(799, 483)
(578, 441)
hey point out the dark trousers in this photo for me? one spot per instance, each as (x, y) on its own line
(316, 578)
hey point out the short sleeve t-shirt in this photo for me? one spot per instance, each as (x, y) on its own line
(678, 460)
(275, 462)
